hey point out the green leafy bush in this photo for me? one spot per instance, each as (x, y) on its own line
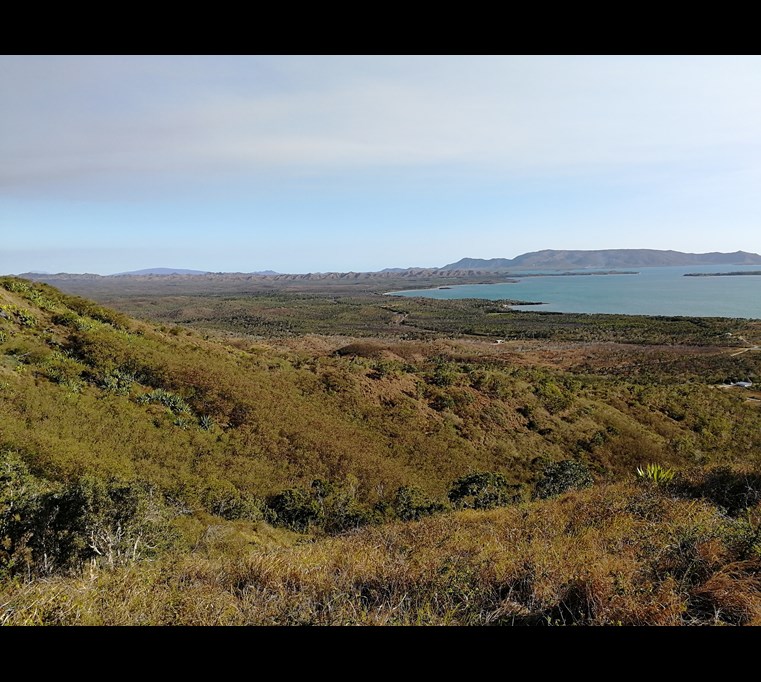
(296, 509)
(225, 500)
(48, 527)
(483, 490)
(411, 503)
(560, 477)
(325, 506)
(444, 373)
(553, 397)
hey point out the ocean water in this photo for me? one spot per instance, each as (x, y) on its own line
(653, 291)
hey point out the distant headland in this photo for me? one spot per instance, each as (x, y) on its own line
(605, 258)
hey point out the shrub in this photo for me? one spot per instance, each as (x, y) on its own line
(17, 286)
(342, 511)
(553, 398)
(733, 490)
(444, 374)
(441, 401)
(20, 493)
(559, 477)
(296, 509)
(63, 370)
(483, 490)
(22, 316)
(118, 381)
(66, 319)
(206, 422)
(411, 503)
(225, 500)
(170, 400)
(48, 527)
(324, 506)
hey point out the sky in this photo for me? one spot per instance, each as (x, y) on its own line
(358, 163)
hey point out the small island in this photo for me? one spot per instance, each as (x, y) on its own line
(574, 274)
(722, 274)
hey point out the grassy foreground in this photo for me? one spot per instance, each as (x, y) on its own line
(623, 554)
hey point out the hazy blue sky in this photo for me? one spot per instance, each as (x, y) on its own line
(302, 164)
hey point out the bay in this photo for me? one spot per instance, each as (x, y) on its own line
(653, 291)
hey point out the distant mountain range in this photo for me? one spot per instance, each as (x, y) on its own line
(606, 258)
(549, 259)
(147, 272)
(161, 271)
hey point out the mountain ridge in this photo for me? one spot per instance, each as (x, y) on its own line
(553, 258)
(159, 271)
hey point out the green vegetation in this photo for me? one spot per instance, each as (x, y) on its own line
(292, 307)
(656, 473)
(612, 554)
(484, 490)
(392, 470)
(560, 477)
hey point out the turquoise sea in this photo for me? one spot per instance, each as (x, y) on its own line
(653, 291)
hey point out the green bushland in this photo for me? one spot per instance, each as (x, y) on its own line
(161, 453)
(280, 308)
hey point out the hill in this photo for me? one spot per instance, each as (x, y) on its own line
(607, 258)
(122, 441)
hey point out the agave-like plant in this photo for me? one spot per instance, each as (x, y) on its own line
(656, 473)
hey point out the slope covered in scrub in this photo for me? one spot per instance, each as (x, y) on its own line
(135, 452)
(620, 554)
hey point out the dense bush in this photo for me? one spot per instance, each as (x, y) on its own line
(733, 490)
(483, 490)
(411, 503)
(225, 500)
(325, 506)
(295, 508)
(48, 527)
(560, 477)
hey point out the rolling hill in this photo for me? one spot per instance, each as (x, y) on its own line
(151, 475)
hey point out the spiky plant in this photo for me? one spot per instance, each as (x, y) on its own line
(656, 473)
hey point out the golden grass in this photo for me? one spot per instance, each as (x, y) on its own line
(617, 554)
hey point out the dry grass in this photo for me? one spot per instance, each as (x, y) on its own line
(618, 554)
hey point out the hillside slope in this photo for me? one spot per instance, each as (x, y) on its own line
(115, 396)
(621, 554)
(121, 441)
